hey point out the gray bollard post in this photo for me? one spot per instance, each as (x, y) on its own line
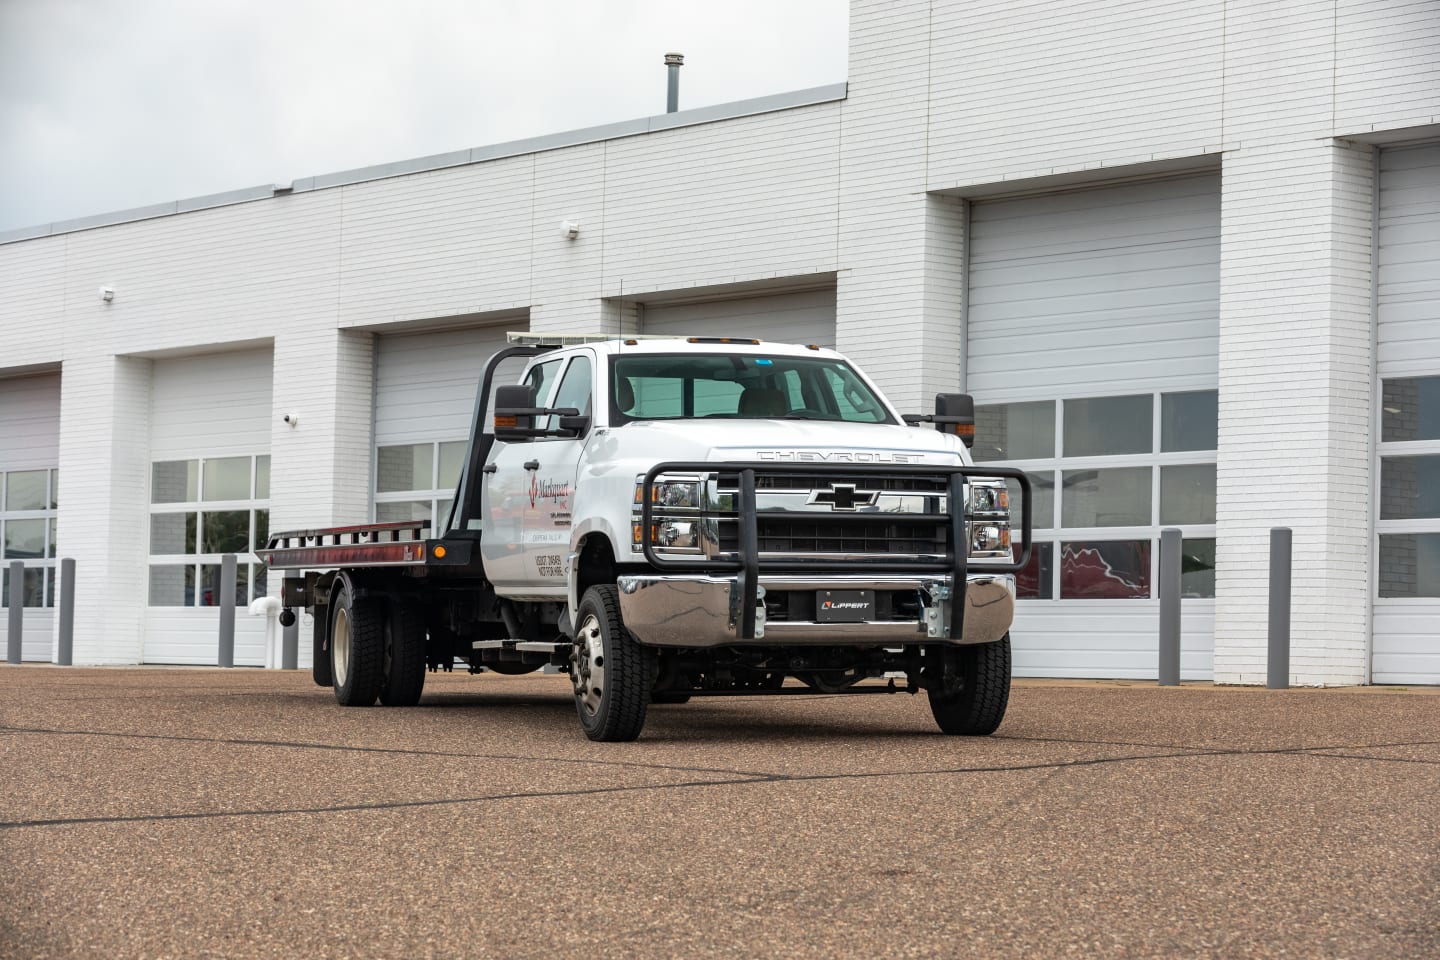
(1277, 674)
(227, 610)
(65, 651)
(290, 646)
(1170, 607)
(17, 612)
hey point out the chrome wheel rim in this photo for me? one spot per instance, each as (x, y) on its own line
(587, 665)
(341, 643)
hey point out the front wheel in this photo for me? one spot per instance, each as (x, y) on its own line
(970, 696)
(612, 674)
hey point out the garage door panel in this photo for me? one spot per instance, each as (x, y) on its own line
(1114, 202)
(425, 383)
(1138, 323)
(1025, 289)
(1407, 643)
(30, 422)
(1108, 640)
(804, 317)
(215, 405)
(1042, 301)
(1141, 259)
(1406, 631)
(1097, 240)
(1102, 292)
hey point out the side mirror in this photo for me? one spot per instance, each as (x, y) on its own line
(955, 413)
(514, 412)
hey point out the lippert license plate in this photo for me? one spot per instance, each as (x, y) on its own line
(844, 606)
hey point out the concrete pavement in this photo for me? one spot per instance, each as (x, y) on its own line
(187, 812)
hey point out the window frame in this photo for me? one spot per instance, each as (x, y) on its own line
(198, 561)
(1381, 527)
(435, 494)
(48, 562)
(1058, 464)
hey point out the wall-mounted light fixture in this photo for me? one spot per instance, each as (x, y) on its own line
(570, 229)
(107, 294)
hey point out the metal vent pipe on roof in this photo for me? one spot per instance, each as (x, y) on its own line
(673, 61)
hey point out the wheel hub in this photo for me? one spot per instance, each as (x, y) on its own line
(587, 665)
(341, 642)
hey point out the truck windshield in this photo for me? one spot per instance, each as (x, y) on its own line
(740, 387)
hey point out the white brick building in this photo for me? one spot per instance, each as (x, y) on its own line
(1186, 255)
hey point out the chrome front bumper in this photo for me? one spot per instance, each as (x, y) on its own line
(704, 611)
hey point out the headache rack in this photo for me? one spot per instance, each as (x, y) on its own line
(946, 529)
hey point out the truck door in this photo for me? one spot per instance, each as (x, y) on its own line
(532, 488)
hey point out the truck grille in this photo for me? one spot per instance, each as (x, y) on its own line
(788, 535)
(826, 532)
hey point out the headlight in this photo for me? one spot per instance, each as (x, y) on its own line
(678, 533)
(989, 538)
(678, 493)
(986, 499)
(672, 493)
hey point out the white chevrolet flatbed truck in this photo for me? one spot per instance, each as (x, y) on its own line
(667, 518)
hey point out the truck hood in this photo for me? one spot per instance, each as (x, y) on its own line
(789, 441)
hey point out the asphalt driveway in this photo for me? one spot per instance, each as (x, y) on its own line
(200, 813)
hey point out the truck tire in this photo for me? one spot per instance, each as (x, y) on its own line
(972, 702)
(612, 674)
(404, 656)
(319, 652)
(357, 648)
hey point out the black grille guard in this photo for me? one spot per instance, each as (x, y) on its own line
(748, 563)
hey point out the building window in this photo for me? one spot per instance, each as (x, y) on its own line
(1106, 474)
(28, 502)
(417, 481)
(201, 510)
(1409, 517)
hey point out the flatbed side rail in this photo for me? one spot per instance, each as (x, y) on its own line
(747, 561)
(397, 543)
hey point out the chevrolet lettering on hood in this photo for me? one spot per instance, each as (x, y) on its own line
(837, 456)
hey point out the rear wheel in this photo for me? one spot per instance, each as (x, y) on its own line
(970, 697)
(612, 674)
(404, 656)
(357, 648)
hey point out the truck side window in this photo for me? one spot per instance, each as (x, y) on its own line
(574, 389)
(541, 376)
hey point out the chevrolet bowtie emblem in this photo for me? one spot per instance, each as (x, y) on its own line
(844, 496)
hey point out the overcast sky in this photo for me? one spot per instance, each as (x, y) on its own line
(110, 104)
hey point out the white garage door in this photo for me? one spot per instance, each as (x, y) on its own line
(1407, 605)
(210, 423)
(1092, 352)
(29, 453)
(425, 387)
(807, 317)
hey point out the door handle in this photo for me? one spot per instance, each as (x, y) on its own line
(532, 464)
(488, 468)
